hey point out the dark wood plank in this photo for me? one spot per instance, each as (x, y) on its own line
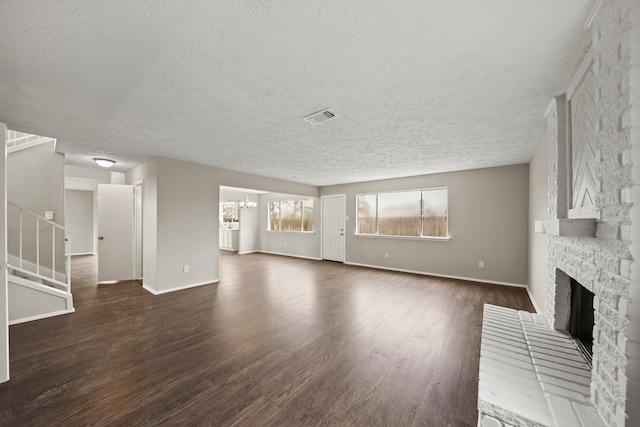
(279, 341)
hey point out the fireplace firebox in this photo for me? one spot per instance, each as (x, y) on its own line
(581, 319)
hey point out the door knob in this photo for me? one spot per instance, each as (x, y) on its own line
(101, 238)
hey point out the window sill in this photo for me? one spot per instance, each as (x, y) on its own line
(290, 232)
(376, 236)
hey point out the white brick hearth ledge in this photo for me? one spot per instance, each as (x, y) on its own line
(531, 375)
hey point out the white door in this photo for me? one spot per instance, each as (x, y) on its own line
(333, 225)
(115, 232)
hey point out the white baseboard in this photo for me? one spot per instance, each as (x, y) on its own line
(179, 288)
(247, 252)
(82, 253)
(41, 316)
(446, 276)
(290, 255)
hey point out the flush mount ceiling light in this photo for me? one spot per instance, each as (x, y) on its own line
(105, 163)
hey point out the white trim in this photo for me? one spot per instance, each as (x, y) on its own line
(4, 285)
(547, 110)
(82, 253)
(179, 288)
(41, 316)
(446, 276)
(291, 232)
(23, 146)
(533, 301)
(30, 268)
(41, 287)
(592, 14)
(290, 255)
(246, 252)
(580, 73)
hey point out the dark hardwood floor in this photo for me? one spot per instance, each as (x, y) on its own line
(279, 341)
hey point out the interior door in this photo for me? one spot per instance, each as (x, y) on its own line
(333, 224)
(115, 233)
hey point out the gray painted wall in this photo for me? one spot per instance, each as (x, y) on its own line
(488, 222)
(538, 176)
(35, 181)
(306, 245)
(249, 227)
(79, 216)
(187, 224)
(488, 215)
(181, 218)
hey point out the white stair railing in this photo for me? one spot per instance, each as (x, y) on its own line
(41, 238)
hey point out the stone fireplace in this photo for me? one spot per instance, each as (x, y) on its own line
(531, 371)
(593, 144)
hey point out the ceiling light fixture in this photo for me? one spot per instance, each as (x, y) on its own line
(248, 204)
(105, 163)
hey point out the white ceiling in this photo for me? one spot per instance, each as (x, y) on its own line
(419, 86)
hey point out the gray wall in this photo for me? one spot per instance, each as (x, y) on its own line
(35, 181)
(488, 222)
(488, 215)
(249, 227)
(306, 245)
(187, 224)
(79, 216)
(538, 175)
(181, 219)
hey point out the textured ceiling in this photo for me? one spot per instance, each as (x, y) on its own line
(419, 86)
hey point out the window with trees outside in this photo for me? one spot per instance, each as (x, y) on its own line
(291, 215)
(416, 213)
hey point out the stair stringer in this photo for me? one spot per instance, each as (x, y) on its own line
(29, 300)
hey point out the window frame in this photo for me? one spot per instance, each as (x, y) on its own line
(422, 217)
(302, 216)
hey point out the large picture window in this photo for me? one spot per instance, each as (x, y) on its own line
(416, 213)
(291, 215)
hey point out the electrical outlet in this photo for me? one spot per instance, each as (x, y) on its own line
(481, 264)
(48, 215)
(185, 268)
(386, 254)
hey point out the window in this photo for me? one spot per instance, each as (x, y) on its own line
(417, 213)
(291, 215)
(228, 212)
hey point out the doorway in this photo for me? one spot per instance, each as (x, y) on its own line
(333, 226)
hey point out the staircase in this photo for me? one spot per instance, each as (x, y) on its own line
(38, 264)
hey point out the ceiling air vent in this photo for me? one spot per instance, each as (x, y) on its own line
(320, 116)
